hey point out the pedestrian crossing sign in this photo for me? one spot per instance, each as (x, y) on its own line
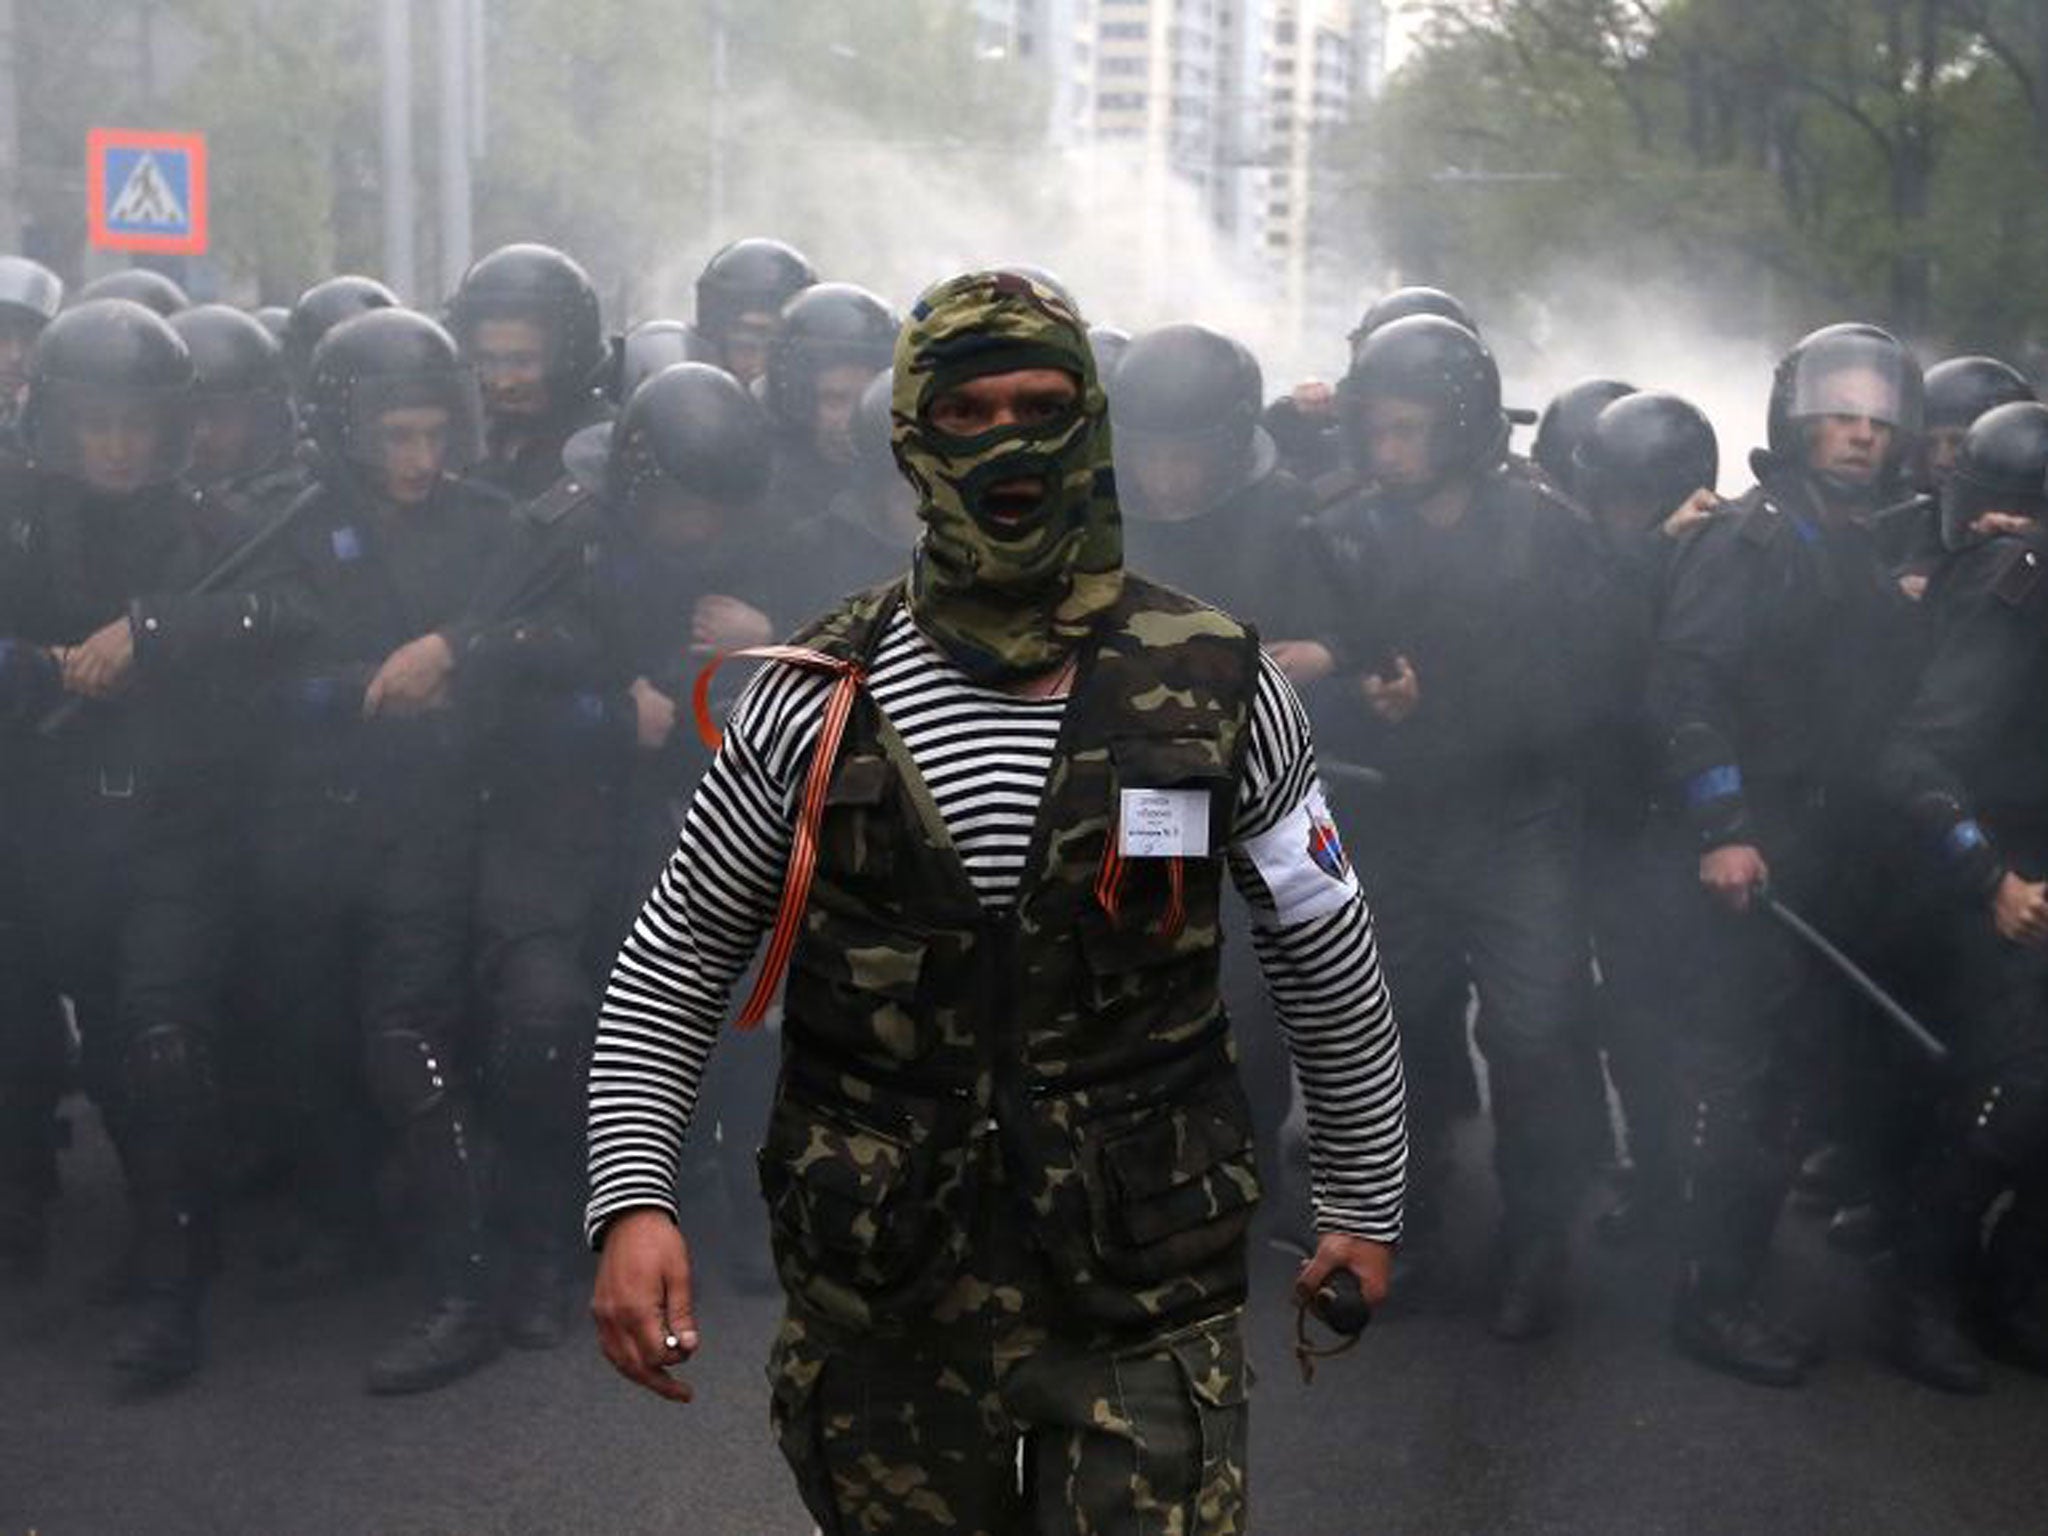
(146, 191)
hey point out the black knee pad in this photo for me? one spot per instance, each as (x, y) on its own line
(409, 1074)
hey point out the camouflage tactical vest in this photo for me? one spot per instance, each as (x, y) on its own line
(1077, 1041)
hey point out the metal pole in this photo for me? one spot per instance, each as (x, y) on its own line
(400, 214)
(454, 156)
(479, 119)
(719, 83)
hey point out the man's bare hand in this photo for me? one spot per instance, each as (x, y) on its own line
(1734, 874)
(1371, 1262)
(1302, 661)
(2019, 908)
(103, 665)
(656, 714)
(641, 1302)
(413, 679)
(1394, 698)
(1313, 397)
(1696, 509)
(722, 623)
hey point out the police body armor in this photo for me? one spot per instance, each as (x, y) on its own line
(1066, 1062)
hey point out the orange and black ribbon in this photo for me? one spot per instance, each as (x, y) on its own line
(1109, 883)
(803, 854)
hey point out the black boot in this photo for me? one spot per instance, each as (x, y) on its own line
(1730, 1335)
(1531, 1291)
(157, 1343)
(1928, 1343)
(24, 1240)
(455, 1335)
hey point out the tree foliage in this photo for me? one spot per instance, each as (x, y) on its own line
(1882, 158)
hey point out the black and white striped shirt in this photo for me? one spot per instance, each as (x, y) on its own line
(985, 756)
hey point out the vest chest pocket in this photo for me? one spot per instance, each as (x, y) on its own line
(1172, 1192)
(859, 983)
(861, 837)
(849, 1216)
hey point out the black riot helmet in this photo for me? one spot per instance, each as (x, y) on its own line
(320, 309)
(1846, 370)
(829, 325)
(1429, 361)
(30, 296)
(29, 289)
(2002, 467)
(109, 398)
(1185, 411)
(749, 277)
(1643, 457)
(377, 364)
(242, 416)
(1565, 423)
(1958, 391)
(690, 449)
(274, 318)
(139, 285)
(644, 351)
(546, 288)
(1109, 345)
(1402, 303)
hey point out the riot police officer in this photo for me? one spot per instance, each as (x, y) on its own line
(1304, 423)
(1645, 469)
(121, 769)
(740, 297)
(526, 318)
(592, 746)
(367, 833)
(1781, 650)
(1465, 584)
(832, 339)
(243, 431)
(642, 352)
(1967, 763)
(30, 296)
(1958, 390)
(1210, 510)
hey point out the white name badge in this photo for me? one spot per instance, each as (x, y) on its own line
(1165, 824)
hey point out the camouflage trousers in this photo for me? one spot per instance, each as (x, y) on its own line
(1018, 1437)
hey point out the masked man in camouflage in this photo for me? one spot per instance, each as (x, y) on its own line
(987, 811)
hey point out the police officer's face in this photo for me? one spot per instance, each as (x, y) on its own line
(674, 520)
(1850, 437)
(1850, 449)
(118, 444)
(1169, 478)
(223, 436)
(745, 347)
(837, 394)
(1941, 444)
(1396, 439)
(410, 452)
(511, 362)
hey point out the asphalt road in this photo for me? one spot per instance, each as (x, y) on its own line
(1429, 1427)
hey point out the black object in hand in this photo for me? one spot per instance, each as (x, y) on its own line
(1341, 1304)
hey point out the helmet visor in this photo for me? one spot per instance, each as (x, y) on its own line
(1864, 377)
(116, 440)
(401, 423)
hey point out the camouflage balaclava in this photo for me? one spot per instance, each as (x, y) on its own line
(1005, 600)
